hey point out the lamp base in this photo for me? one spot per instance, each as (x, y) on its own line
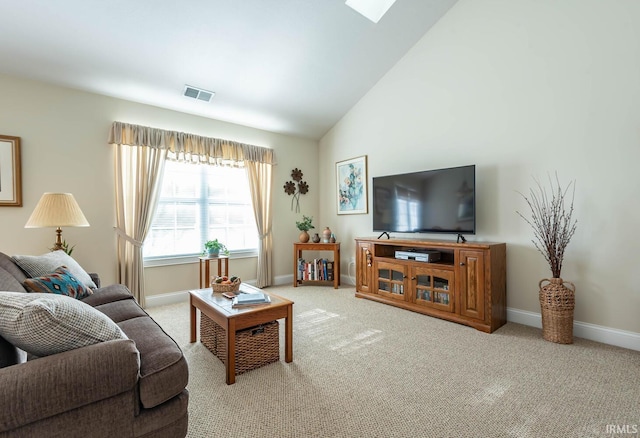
(58, 244)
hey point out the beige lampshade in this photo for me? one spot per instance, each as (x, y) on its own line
(57, 210)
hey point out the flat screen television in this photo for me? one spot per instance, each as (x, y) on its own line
(431, 201)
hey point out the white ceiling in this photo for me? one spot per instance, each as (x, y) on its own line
(288, 66)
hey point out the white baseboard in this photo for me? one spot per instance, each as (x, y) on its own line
(174, 297)
(283, 279)
(593, 332)
(168, 298)
(288, 279)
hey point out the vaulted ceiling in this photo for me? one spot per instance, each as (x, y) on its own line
(288, 66)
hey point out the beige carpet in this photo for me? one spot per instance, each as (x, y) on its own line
(364, 369)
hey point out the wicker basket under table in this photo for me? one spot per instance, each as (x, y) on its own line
(255, 346)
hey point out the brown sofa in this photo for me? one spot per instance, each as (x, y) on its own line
(132, 387)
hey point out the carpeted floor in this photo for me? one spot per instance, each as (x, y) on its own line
(364, 369)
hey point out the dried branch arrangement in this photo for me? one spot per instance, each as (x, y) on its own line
(551, 220)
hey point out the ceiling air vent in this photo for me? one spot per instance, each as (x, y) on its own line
(198, 93)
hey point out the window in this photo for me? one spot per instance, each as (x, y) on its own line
(198, 203)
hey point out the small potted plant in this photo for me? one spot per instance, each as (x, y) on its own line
(304, 226)
(65, 247)
(213, 248)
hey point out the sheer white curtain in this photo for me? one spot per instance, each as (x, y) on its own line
(140, 155)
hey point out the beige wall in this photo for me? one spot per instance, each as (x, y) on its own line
(520, 88)
(64, 148)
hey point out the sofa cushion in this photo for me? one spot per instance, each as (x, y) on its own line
(61, 282)
(163, 369)
(108, 294)
(9, 283)
(45, 324)
(9, 265)
(121, 310)
(38, 266)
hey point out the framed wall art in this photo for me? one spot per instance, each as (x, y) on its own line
(10, 174)
(351, 184)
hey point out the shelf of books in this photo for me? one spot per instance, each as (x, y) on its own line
(316, 268)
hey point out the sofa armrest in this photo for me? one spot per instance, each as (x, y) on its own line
(50, 385)
(96, 278)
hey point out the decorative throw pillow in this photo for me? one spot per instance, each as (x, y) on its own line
(45, 324)
(61, 282)
(39, 266)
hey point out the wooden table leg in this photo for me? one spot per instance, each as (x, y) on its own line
(336, 264)
(288, 335)
(201, 287)
(193, 319)
(231, 351)
(295, 266)
(207, 273)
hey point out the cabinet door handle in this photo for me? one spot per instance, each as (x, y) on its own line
(413, 278)
(461, 263)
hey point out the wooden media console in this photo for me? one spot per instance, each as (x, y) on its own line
(466, 285)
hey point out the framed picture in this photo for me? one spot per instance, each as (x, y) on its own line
(351, 183)
(10, 176)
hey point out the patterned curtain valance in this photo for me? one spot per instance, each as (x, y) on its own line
(181, 146)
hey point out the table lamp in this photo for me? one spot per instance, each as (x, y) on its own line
(57, 210)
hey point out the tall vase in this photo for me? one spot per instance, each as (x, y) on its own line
(304, 236)
(557, 302)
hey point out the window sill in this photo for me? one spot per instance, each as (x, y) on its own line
(153, 262)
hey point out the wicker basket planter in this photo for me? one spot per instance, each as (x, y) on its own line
(557, 302)
(255, 346)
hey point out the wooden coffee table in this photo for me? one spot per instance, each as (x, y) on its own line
(219, 309)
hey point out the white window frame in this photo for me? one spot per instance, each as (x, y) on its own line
(202, 201)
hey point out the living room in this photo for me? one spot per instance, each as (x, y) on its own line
(546, 90)
(521, 89)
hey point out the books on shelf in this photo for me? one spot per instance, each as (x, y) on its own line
(316, 269)
(251, 299)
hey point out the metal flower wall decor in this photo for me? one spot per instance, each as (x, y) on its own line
(296, 188)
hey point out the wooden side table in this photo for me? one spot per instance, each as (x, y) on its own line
(298, 247)
(205, 263)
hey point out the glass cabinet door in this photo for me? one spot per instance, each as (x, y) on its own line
(433, 288)
(424, 288)
(391, 279)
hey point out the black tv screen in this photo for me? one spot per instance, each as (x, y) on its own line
(431, 201)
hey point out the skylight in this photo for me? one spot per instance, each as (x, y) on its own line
(372, 9)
